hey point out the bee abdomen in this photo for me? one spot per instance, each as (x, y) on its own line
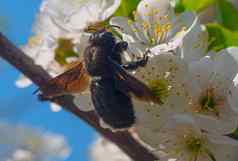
(114, 107)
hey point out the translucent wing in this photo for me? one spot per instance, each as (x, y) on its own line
(74, 80)
(130, 85)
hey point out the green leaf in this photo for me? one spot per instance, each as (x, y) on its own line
(221, 37)
(192, 5)
(127, 7)
(234, 134)
(227, 14)
(179, 6)
(64, 50)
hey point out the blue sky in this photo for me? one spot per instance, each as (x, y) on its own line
(19, 105)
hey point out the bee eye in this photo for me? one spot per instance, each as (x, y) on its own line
(124, 45)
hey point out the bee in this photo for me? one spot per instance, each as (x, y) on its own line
(111, 85)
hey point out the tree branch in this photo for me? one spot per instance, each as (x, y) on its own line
(40, 77)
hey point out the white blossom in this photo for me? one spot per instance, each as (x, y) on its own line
(104, 150)
(182, 140)
(75, 15)
(157, 28)
(165, 75)
(213, 89)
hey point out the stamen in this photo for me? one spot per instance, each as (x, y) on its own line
(209, 103)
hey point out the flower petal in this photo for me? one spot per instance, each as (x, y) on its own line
(83, 102)
(201, 71)
(23, 82)
(55, 107)
(110, 7)
(168, 72)
(226, 63)
(161, 7)
(184, 21)
(195, 44)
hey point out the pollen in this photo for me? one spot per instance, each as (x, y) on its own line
(35, 40)
(145, 26)
(193, 144)
(160, 88)
(158, 30)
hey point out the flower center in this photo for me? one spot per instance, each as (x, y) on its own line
(193, 144)
(160, 88)
(208, 103)
(64, 50)
(196, 145)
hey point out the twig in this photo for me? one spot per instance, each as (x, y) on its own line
(40, 77)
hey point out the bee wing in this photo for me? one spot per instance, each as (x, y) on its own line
(74, 80)
(129, 84)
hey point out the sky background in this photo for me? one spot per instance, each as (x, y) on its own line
(20, 106)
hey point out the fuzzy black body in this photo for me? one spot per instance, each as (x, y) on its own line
(111, 104)
(111, 85)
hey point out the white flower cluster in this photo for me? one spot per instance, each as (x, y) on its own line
(20, 143)
(198, 88)
(101, 149)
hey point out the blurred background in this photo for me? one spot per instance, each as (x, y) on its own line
(21, 111)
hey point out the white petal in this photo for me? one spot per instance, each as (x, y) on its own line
(224, 152)
(227, 63)
(44, 58)
(23, 82)
(111, 8)
(195, 44)
(224, 124)
(184, 21)
(222, 140)
(55, 107)
(173, 44)
(102, 147)
(233, 94)
(202, 71)
(145, 8)
(83, 102)
(181, 27)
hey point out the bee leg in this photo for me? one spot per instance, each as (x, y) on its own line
(121, 46)
(134, 65)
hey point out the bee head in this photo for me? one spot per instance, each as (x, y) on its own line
(104, 38)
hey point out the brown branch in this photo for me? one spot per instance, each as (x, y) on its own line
(40, 77)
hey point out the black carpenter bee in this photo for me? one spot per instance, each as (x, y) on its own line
(111, 86)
